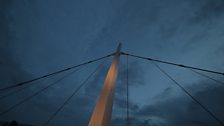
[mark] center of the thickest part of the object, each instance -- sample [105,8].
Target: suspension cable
[43,89]
[70,97]
[57,72]
[20,89]
[191,96]
[14,92]
[206,76]
[170,63]
[127,86]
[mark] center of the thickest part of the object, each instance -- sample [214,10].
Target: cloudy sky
[42,36]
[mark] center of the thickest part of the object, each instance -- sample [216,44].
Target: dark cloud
[164,94]
[181,110]
[208,10]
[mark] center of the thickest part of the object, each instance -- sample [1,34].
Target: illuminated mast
[101,115]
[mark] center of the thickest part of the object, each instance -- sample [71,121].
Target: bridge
[102,112]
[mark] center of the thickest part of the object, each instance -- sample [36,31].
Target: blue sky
[42,36]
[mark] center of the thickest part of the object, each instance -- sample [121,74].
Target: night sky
[43,36]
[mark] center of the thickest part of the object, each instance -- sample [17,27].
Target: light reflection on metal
[101,115]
